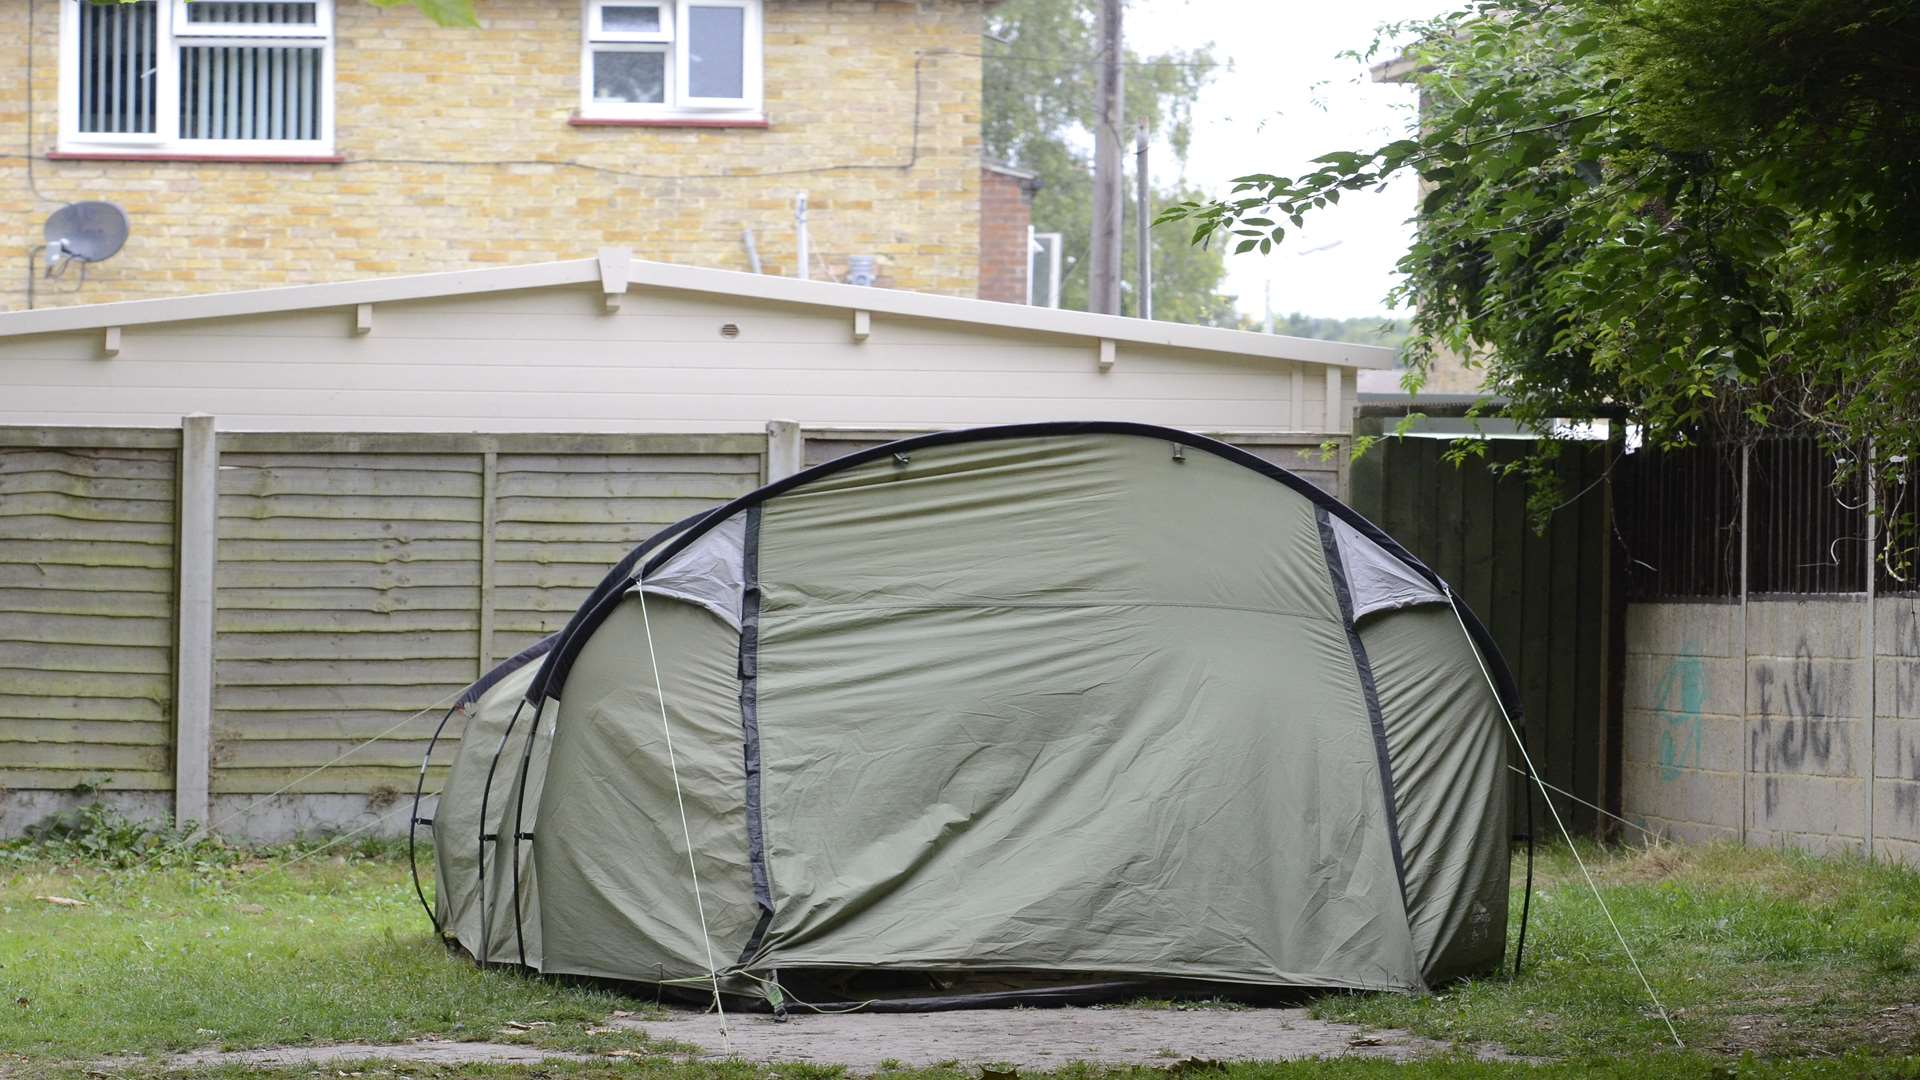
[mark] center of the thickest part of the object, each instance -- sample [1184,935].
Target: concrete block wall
[456,150]
[1683,705]
[1896,708]
[1790,721]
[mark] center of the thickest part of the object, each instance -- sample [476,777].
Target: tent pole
[486,794]
[414,822]
[519,810]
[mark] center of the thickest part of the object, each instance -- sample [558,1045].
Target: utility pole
[1109,179]
[1144,239]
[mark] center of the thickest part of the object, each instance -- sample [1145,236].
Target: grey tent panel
[1377,580]
[708,573]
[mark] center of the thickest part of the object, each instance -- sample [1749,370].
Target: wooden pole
[1144,239]
[193,674]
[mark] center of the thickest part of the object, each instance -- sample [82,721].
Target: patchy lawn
[1774,964]
[1752,950]
[213,947]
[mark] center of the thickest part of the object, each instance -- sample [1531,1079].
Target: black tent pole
[1526,896]
[519,810]
[415,821]
[486,794]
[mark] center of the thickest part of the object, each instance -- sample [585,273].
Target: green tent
[1002,714]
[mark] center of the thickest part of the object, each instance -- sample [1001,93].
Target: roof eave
[875,301]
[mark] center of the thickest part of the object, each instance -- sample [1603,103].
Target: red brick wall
[1006,209]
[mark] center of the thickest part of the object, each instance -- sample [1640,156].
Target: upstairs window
[671,58]
[246,77]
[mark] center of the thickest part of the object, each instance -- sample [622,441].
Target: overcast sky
[1287,99]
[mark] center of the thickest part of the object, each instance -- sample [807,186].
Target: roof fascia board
[733,283]
[299,297]
[961,309]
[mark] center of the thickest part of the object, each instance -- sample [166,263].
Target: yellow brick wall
[458,154]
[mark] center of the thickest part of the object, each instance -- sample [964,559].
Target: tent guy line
[1454,603]
[680,799]
[1595,807]
[189,836]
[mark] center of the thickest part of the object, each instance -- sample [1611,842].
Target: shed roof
[615,271]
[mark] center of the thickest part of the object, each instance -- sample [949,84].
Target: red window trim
[577,120]
[198,159]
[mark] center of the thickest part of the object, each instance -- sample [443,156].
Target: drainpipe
[800,232]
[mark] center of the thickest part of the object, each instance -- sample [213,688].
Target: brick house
[266,142]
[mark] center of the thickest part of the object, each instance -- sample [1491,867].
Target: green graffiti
[1680,738]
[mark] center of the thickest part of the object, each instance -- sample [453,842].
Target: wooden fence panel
[347,601]
[87,542]
[564,520]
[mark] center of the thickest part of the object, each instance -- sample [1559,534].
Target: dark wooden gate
[1545,596]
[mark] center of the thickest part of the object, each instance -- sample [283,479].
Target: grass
[1774,964]
[236,951]
[1752,950]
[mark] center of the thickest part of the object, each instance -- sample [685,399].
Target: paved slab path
[1033,1038]
[1029,1039]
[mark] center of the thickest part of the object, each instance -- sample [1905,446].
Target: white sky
[1287,99]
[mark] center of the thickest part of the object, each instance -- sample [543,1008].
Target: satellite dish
[88,231]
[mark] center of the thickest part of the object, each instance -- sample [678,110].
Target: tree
[1365,330]
[1699,214]
[1038,115]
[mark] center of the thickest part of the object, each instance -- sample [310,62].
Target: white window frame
[171,32]
[1050,244]
[672,39]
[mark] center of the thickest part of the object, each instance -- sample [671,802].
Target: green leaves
[1695,211]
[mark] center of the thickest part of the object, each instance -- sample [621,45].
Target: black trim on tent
[1338,571]
[600,605]
[507,667]
[750,728]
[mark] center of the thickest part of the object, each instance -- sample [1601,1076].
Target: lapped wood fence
[197,617]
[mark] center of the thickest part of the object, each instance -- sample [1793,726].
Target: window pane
[118,55]
[250,92]
[716,52]
[629,76]
[228,12]
[629,19]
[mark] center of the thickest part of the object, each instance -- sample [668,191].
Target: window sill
[576,120]
[197,159]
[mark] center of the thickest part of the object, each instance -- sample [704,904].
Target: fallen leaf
[250,909]
[1366,1040]
[62,901]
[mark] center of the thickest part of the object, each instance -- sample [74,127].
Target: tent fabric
[1379,581]
[1038,704]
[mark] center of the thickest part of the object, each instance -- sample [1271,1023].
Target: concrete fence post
[197,551]
[785,449]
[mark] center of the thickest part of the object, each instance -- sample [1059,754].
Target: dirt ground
[1034,1039]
